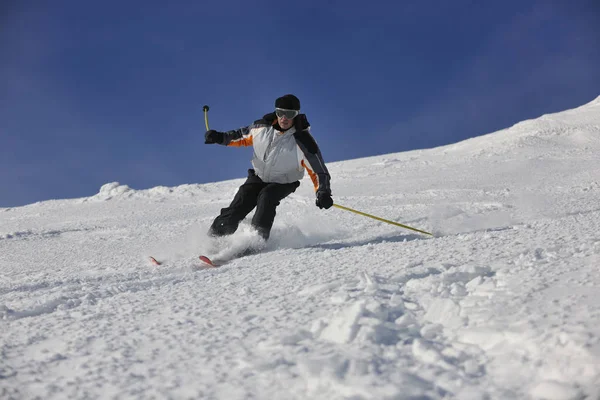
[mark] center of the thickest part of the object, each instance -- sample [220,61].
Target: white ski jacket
[282,157]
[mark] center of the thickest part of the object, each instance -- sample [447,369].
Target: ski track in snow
[501,304]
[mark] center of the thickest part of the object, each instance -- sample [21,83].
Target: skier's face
[284,122]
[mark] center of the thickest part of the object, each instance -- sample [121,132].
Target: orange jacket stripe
[244,141]
[313,176]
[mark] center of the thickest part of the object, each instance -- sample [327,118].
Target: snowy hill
[501,304]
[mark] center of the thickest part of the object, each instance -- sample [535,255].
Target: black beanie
[288,102]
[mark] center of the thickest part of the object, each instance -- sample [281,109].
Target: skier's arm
[243,136]
[238,137]
[313,161]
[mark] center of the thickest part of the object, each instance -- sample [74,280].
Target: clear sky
[97,92]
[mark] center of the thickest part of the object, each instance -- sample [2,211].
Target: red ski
[155,261]
[206,262]
[209,262]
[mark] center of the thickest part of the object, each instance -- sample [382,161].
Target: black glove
[324,200]
[213,136]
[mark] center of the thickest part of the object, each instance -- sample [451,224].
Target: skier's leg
[244,201]
[267,202]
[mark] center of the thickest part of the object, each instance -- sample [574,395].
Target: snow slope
[503,303]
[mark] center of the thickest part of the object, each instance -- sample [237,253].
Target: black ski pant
[253,193]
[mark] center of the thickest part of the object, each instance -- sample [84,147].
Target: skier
[283,148]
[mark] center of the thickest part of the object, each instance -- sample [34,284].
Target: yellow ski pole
[381,219]
[205,108]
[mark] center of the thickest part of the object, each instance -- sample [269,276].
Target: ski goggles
[289,114]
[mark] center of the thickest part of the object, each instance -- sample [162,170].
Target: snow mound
[113,190]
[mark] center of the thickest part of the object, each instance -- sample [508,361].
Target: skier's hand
[213,136]
[324,200]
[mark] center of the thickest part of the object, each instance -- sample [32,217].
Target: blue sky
[97,92]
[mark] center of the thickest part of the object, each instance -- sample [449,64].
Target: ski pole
[205,109]
[381,219]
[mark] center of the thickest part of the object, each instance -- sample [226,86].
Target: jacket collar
[290,131]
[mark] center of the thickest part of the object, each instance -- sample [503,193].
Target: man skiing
[283,148]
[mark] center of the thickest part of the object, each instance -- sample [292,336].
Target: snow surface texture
[503,303]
